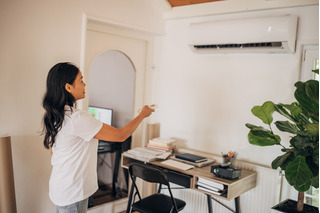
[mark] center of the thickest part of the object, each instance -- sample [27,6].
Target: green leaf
[251,126]
[307,97]
[302,145]
[312,129]
[298,174]
[312,90]
[264,112]
[312,166]
[286,126]
[315,182]
[315,155]
[293,109]
[299,141]
[304,119]
[263,138]
[282,161]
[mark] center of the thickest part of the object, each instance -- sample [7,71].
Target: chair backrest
[148,173]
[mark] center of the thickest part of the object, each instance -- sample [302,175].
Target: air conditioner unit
[252,35]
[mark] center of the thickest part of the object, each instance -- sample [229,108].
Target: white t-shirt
[74,159]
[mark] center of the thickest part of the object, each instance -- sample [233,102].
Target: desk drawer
[178,178]
[173,176]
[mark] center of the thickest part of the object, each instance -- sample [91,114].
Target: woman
[72,135]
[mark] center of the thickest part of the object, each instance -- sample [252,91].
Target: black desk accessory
[226,171]
[191,157]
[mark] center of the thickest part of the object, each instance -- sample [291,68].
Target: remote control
[153,106]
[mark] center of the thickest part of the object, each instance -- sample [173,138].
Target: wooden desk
[188,179]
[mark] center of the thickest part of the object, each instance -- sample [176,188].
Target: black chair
[156,203]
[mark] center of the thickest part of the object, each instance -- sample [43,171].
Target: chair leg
[159,188]
[130,200]
[129,208]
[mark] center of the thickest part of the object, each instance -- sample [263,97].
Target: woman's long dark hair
[56,98]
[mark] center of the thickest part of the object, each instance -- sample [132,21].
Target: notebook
[191,157]
[200,164]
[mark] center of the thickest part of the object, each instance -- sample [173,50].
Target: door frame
[143,96]
[310,52]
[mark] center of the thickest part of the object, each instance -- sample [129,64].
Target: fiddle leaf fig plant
[300,160]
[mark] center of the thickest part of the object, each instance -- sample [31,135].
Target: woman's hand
[146,111]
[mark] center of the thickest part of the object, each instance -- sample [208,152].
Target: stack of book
[145,154]
[161,144]
[211,186]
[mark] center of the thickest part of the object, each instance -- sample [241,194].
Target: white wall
[35,35]
[205,100]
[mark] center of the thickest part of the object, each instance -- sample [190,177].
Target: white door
[101,37]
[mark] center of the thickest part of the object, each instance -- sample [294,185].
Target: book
[191,157]
[200,164]
[212,191]
[208,187]
[162,142]
[142,153]
[144,159]
[159,147]
[147,155]
[210,183]
[154,143]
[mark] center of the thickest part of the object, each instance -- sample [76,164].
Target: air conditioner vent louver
[237,46]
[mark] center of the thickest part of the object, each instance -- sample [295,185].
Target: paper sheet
[177,164]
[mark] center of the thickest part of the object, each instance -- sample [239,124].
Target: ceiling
[176,3]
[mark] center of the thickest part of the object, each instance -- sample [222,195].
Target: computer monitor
[102,114]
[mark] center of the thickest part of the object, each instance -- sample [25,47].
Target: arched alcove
[111,85]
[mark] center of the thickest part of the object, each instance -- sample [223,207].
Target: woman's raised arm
[109,133]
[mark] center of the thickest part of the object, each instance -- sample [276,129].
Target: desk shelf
[235,188]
